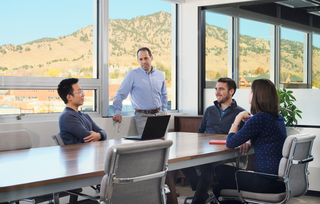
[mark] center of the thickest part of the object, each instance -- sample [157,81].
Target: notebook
[222,142]
[155,128]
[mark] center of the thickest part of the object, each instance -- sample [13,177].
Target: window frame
[276,23]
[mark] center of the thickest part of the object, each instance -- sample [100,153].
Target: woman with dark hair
[265,131]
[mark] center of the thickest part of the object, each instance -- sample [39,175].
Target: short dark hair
[144,48]
[264,97]
[65,88]
[231,83]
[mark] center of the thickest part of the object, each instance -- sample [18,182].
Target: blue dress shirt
[148,91]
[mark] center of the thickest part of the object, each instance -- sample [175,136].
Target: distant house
[7,109]
[292,79]
[245,82]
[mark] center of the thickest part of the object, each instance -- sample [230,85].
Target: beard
[223,99]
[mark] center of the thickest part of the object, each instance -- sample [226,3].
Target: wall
[41,131]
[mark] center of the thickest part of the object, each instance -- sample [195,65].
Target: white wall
[41,131]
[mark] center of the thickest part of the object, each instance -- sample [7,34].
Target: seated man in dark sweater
[217,119]
[76,127]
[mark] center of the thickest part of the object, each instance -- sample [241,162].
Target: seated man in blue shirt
[217,119]
[76,127]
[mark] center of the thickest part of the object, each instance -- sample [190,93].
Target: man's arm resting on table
[93,137]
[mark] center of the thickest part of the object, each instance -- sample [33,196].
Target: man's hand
[164,113]
[117,118]
[94,136]
[244,148]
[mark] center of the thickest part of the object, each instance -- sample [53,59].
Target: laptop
[155,128]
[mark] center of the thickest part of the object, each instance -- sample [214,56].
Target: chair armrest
[140,178]
[260,173]
[310,159]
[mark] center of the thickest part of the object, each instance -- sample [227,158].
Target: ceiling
[310,6]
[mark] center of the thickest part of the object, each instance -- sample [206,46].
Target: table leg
[56,198]
[170,181]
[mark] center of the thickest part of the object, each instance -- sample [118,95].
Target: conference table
[39,171]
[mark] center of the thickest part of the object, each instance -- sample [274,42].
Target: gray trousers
[141,119]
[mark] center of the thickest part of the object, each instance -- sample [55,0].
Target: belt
[148,111]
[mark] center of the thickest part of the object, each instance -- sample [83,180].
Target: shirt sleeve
[122,93]
[250,129]
[202,126]
[164,96]
[96,128]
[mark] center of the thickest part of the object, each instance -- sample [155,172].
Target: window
[38,101]
[316,61]
[254,52]
[291,57]
[216,48]
[44,42]
[47,39]
[51,40]
[135,26]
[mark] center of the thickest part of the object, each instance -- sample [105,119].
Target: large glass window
[47,39]
[254,52]
[135,26]
[216,48]
[41,43]
[316,61]
[291,57]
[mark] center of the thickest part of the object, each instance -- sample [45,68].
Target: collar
[152,70]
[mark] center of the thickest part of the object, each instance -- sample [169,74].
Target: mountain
[72,55]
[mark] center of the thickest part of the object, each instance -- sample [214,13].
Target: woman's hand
[244,148]
[243,116]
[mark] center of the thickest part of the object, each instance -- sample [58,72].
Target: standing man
[217,119]
[147,88]
[76,127]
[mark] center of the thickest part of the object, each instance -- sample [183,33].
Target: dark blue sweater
[212,123]
[267,135]
[74,126]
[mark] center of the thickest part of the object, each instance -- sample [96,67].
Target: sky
[28,20]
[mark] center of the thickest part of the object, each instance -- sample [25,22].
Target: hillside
[72,55]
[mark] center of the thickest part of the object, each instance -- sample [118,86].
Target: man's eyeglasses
[80,92]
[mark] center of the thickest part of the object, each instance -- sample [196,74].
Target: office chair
[293,171]
[20,139]
[135,173]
